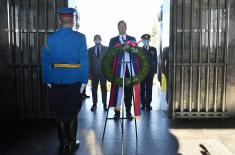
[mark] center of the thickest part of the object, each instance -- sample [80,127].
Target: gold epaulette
[46,42]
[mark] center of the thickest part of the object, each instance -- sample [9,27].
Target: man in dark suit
[128,90]
[96,54]
[147,84]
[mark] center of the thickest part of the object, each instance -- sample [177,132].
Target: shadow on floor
[157,135]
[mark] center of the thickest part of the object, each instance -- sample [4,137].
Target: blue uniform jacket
[65,47]
[152,55]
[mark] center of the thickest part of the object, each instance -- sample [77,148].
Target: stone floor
[157,135]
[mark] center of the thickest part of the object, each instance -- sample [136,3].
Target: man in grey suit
[96,54]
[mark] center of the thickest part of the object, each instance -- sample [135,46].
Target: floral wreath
[112,53]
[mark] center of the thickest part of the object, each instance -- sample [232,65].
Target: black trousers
[146,87]
[128,91]
[128,97]
[66,100]
[94,83]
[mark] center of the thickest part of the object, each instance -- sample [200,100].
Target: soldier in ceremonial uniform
[65,70]
[147,84]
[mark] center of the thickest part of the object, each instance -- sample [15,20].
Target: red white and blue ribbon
[116,95]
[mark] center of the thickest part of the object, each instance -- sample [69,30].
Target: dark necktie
[97,51]
[123,40]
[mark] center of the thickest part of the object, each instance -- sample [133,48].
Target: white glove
[82,88]
[49,85]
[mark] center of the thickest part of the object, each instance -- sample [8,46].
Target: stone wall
[4,56]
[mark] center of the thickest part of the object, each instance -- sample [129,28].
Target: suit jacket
[95,62]
[116,40]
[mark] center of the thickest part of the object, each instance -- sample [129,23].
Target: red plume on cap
[66,12]
[66,15]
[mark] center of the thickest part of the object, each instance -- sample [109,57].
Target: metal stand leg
[133,99]
[122,110]
[105,124]
[136,135]
[122,122]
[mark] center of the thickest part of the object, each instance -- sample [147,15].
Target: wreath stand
[122,102]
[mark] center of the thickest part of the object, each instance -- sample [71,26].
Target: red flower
[128,42]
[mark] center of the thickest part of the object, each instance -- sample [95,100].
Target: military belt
[66,65]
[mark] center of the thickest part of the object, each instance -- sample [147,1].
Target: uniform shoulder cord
[46,42]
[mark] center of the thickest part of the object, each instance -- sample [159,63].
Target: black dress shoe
[63,148]
[85,96]
[143,107]
[116,116]
[105,106]
[74,146]
[82,97]
[94,107]
[149,107]
[129,116]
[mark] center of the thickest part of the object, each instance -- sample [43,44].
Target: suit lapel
[117,40]
[93,51]
[127,37]
[101,50]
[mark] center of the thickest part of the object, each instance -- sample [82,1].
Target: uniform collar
[147,48]
[65,28]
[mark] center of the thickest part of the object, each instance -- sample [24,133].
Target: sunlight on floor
[158,95]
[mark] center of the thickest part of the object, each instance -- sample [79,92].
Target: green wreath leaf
[112,53]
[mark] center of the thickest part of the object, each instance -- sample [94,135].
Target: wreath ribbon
[111,56]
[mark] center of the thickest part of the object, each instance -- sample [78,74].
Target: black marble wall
[22,94]
[201,57]
[231,60]
[5,94]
